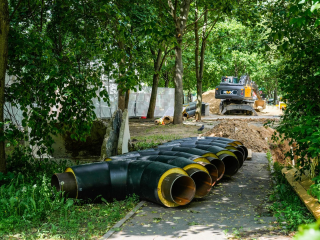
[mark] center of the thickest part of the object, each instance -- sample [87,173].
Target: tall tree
[4,32]
[199,58]
[179,11]
[160,41]
[158,60]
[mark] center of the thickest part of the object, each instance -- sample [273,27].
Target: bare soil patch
[270,110]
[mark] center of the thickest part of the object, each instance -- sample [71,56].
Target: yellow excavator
[237,96]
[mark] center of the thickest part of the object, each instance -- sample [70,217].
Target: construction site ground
[248,129]
[236,208]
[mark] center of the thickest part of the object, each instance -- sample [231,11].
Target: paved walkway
[235,207]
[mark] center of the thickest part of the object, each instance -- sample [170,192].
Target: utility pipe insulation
[150,179]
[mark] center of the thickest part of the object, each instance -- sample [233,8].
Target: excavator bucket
[259,105]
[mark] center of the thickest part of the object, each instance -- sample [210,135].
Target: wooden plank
[311,203]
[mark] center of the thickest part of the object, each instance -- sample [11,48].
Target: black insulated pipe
[65,182]
[211,141]
[219,165]
[231,165]
[197,172]
[194,151]
[212,170]
[154,181]
[226,146]
[222,154]
[176,188]
[238,143]
[220,144]
[219,150]
[190,113]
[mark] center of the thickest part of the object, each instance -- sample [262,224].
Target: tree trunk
[153,98]
[199,69]
[121,100]
[166,79]
[275,96]
[4,31]
[196,56]
[178,90]
[180,24]
[190,97]
[157,65]
[121,92]
[126,102]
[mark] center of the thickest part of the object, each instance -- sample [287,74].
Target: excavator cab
[229,79]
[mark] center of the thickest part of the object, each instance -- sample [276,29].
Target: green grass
[153,141]
[287,206]
[31,209]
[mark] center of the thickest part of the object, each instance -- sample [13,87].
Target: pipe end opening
[179,189]
[203,183]
[65,182]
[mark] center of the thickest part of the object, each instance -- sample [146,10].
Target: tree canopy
[59,50]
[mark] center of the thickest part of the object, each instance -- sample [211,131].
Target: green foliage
[21,161]
[22,201]
[31,208]
[314,189]
[308,231]
[56,67]
[234,48]
[293,30]
[287,207]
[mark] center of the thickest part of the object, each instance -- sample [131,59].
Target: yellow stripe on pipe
[231,148]
[227,152]
[202,159]
[210,155]
[197,166]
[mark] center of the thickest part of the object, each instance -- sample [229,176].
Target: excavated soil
[253,135]
[209,97]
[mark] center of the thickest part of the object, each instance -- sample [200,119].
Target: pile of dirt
[209,97]
[253,136]
[279,152]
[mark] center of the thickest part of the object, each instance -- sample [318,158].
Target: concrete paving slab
[236,206]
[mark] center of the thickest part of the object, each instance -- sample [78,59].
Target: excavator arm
[258,104]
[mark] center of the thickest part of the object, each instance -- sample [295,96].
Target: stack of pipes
[189,109]
[171,175]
